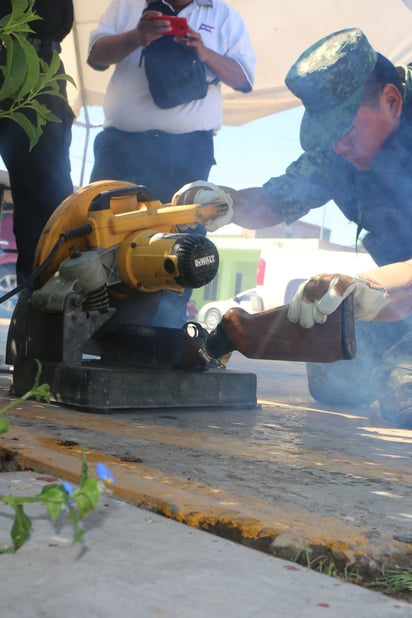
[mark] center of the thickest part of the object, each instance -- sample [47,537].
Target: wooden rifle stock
[270,335]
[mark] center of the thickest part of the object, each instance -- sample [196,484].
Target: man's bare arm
[113,48]
[226,69]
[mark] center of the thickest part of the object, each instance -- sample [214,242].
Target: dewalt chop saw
[101,262]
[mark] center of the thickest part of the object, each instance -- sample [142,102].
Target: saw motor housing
[103,257]
[135,237]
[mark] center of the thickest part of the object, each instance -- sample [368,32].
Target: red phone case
[179,25]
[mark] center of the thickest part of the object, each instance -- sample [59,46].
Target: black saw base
[97,388]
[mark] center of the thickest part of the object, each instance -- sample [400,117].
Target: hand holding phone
[179,24]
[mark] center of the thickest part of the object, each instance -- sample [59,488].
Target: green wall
[238,259]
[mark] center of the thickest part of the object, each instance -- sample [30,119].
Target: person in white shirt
[164,149]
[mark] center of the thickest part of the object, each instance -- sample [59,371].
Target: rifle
[270,335]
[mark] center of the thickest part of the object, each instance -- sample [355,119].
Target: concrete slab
[287,477]
[133,563]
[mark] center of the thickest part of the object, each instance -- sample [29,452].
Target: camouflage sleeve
[307,183]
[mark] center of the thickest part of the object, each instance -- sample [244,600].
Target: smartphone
[179,24]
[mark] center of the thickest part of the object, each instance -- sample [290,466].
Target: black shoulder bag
[175,74]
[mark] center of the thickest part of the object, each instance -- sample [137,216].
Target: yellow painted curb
[236,516]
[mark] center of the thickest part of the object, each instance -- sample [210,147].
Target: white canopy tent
[279,30]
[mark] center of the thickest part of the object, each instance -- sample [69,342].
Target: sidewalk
[133,563]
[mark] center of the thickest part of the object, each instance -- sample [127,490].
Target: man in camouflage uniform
[356,134]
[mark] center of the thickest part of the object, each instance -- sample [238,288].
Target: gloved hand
[320,296]
[204,192]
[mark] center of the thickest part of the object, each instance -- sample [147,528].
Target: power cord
[77,232]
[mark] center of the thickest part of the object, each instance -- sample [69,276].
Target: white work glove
[320,296]
[203,192]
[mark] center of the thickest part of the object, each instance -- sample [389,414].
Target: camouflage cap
[329,78]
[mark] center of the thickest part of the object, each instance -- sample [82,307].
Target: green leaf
[42,111]
[54,498]
[20,18]
[21,527]
[54,510]
[73,515]
[78,530]
[78,535]
[32,72]
[20,6]
[53,491]
[67,78]
[87,497]
[14,72]
[25,76]
[31,130]
[51,69]
[4,424]
[85,469]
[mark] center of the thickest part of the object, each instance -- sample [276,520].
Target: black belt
[44,46]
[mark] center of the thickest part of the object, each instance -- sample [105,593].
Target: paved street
[288,477]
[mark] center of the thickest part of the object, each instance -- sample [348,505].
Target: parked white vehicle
[281,270]
[211,313]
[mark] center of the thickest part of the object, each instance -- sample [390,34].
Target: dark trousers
[163,162]
[39,180]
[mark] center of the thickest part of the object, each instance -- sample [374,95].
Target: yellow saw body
[101,264]
[129,221]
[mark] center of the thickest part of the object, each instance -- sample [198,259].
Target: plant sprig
[24,76]
[57,497]
[38,392]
